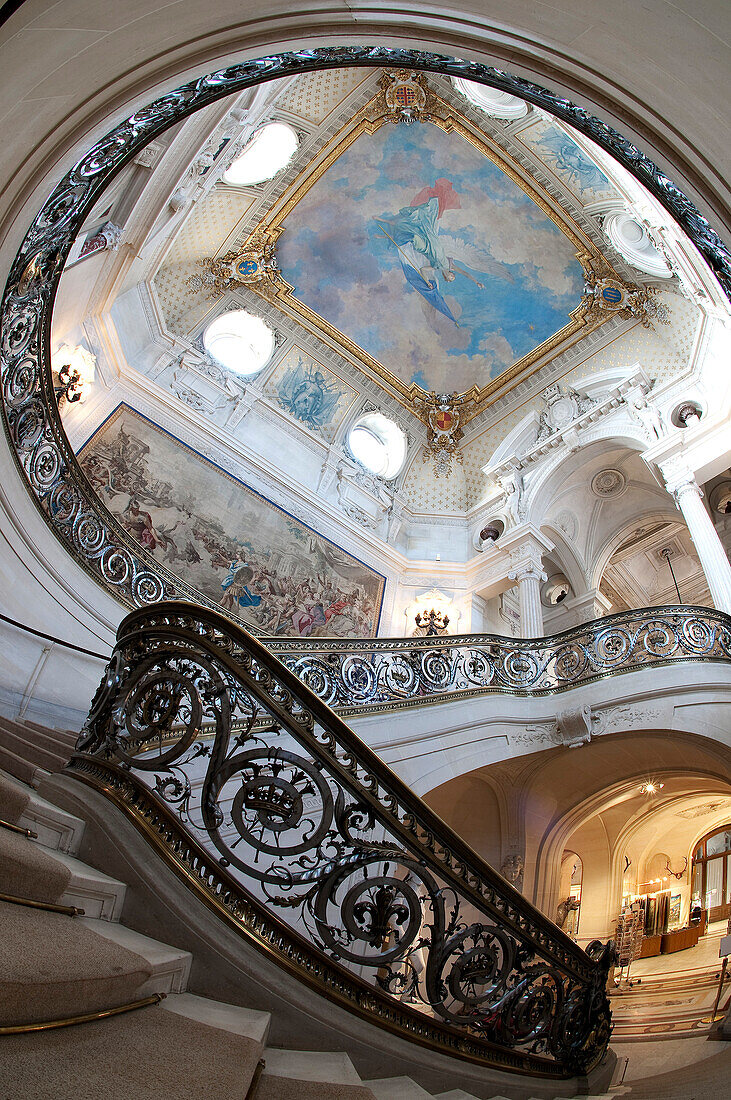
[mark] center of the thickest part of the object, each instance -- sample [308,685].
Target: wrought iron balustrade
[296,832]
[388,673]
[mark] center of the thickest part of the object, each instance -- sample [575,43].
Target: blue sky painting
[430,258]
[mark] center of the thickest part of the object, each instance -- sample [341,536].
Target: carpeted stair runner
[26,871]
[149,1054]
[13,800]
[55,967]
[42,750]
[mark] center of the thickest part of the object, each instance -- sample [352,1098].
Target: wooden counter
[680,940]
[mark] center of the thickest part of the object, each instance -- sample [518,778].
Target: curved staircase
[68,956]
[61,965]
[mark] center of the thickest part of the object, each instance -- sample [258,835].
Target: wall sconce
[432,613]
[436,622]
[74,369]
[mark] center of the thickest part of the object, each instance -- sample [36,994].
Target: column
[688,497]
[529,576]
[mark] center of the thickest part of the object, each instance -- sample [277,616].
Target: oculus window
[269,151]
[378,444]
[240,342]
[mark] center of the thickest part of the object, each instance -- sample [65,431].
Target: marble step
[397,1088]
[57,830]
[170,966]
[97,894]
[335,1068]
[225,1017]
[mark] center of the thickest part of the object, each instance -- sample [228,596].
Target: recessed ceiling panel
[430,258]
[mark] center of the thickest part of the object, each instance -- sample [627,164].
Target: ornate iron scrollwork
[316,830]
[31,415]
[389,673]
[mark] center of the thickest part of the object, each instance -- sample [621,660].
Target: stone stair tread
[57,829]
[62,735]
[334,1067]
[170,966]
[21,805]
[99,895]
[28,750]
[143,1055]
[19,767]
[459,1094]
[397,1088]
[225,1017]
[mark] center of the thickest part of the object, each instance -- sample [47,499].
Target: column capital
[678,477]
[527,570]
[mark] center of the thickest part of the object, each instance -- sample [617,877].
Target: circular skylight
[270,150]
[378,444]
[492,101]
[239,341]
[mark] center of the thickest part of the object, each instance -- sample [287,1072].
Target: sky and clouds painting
[425,254]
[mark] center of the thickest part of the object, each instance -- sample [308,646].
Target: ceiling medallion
[255,264]
[406,95]
[608,483]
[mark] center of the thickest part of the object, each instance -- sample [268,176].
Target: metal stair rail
[268,805]
[390,673]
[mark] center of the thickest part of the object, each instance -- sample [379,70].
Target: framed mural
[225,540]
[424,253]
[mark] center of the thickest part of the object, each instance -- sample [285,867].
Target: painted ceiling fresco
[421,251]
[226,541]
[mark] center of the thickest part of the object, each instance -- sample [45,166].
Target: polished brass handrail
[85,1018]
[18,829]
[303,832]
[49,906]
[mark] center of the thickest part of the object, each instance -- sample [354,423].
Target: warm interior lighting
[270,150]
[75,367]
[652,786]
[240,342]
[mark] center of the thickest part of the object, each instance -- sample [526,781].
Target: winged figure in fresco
[425,253]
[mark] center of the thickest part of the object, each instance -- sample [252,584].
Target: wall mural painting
[421,251]
[310,393]
[567,161]
[226,541]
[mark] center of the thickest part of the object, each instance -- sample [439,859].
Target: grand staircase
[137,965]
[67,956]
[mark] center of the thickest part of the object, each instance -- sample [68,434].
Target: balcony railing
[389,673]
[270,807]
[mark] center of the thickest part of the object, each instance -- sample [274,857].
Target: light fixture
[74,369]
[239,341]
[651,786]
[270,150]
[432,612]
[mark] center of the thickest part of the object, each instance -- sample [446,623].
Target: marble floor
[671,996]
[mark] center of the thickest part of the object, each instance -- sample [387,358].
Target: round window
[269,151]
[240,342]
[378,444]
